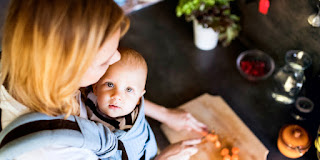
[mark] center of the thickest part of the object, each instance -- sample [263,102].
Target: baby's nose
[116,96]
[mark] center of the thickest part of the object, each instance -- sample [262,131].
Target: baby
[117,102]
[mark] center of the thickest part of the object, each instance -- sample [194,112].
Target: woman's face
[107,55]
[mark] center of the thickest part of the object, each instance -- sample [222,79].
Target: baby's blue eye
[109,84]
[129,89]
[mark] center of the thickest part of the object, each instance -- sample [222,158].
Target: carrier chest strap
[41,125]
[36,126]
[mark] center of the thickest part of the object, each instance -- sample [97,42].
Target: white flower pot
[204,38]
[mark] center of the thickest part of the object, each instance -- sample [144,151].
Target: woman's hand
[182,119]
[179,151]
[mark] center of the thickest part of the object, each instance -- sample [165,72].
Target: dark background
[284,28]
[179,72]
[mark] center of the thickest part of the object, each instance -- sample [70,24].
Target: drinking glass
[289,79]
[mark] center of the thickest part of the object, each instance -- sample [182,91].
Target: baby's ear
[143,92]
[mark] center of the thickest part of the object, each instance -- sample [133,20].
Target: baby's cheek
[131,108]
[101,102]
[105,111]
[103,96]
[104,108]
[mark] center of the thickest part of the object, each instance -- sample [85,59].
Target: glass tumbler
[289,79]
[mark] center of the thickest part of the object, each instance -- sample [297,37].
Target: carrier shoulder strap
[0,120]
[36,130]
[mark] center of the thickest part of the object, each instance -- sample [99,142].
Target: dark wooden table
[179,72]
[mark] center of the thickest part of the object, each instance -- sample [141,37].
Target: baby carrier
[35,130]
[139,140]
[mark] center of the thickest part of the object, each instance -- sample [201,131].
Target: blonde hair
[132,58]
[49,44]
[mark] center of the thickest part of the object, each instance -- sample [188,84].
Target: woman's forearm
[183,120]
[155,111]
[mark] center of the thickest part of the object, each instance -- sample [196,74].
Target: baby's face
[120,89]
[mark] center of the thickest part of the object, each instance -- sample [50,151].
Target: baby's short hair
[132,58]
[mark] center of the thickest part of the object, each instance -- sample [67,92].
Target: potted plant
[213,17]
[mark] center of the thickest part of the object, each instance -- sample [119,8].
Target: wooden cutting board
[217,115]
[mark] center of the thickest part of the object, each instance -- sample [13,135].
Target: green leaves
[185,7]
[231,33]
[212,13]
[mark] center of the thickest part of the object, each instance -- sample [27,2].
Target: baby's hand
[179,119]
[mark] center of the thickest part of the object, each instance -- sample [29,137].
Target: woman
[52,48]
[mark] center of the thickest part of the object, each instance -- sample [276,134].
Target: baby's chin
[115,115]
